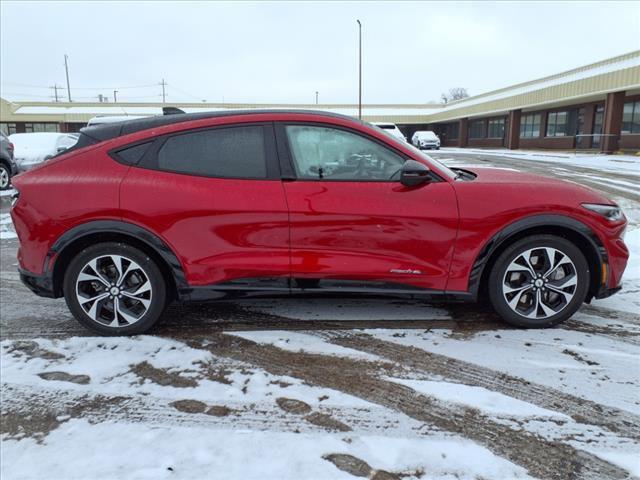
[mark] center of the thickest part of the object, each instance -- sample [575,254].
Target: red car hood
[507,176]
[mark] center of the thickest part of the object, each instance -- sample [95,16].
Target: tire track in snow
[542,458]
[580,409]
[45,409]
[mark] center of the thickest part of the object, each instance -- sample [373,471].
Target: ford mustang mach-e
[193,207]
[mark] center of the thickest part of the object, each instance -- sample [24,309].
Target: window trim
[500,120]
[149,160]
[566,124]
[635,112]
[532,115]
[286,156]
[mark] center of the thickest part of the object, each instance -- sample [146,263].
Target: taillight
[10,147]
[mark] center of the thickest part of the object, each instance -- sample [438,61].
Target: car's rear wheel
[115,289]
[5,177]
[539,281]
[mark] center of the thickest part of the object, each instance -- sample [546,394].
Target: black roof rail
[107,131]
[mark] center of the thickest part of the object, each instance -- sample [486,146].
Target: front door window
[322,153]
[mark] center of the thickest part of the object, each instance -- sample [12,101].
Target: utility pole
[164,84]
[55,92]
[316,98]
[359,69]
[115,96]
[66,69]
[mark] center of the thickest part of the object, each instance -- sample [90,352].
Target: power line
[185,93]
[14,84]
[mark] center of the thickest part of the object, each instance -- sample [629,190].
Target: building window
[476,129]
[557,124]
[530,126]
[597,126]
[41,127]
[449,131]
[8,128]
[496,128]
[631,117]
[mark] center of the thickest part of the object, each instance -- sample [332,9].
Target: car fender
[125,228]
[508,232]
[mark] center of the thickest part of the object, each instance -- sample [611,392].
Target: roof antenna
[171,111]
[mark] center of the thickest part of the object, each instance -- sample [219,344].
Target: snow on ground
[582,364]
[628,164]
[118,366]
[6,227]
[197,453]
[478,397]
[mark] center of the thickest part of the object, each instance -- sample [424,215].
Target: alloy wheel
[540,282]
[113,290]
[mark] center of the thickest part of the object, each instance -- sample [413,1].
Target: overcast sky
[286,51]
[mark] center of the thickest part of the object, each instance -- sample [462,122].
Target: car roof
[108,131]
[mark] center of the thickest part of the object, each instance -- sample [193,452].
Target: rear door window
[232,152]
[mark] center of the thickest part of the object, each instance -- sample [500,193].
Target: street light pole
[316,98]
[359,69]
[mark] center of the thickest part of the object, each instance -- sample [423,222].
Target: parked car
[8,167]
[205,206]
[391,129]
[425,140]
[32,149]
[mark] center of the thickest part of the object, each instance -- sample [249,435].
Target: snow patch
[478,397]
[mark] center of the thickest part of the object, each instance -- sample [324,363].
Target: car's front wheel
[115,289]
[5,177]
[539,281]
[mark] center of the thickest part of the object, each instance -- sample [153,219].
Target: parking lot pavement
[326,387]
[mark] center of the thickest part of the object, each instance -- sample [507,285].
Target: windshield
[419,153]
[426,135]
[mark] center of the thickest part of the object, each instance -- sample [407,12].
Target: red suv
[194,207]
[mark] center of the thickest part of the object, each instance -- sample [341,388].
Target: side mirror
[414,173]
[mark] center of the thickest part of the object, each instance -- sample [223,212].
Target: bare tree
[455,93]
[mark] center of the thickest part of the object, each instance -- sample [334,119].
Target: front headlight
[610,212]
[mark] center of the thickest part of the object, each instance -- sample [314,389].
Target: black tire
[156,298]
[565,308]
[5,172]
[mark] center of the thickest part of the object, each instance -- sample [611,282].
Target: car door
[215,196]
[353,224]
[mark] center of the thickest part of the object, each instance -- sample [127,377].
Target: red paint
[223,229]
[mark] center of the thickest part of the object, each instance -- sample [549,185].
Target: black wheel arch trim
[527,223]
[137,232]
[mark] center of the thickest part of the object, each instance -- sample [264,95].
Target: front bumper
[41,285]
[429,146]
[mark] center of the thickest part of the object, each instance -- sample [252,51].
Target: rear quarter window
[132,155]
[232,152]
